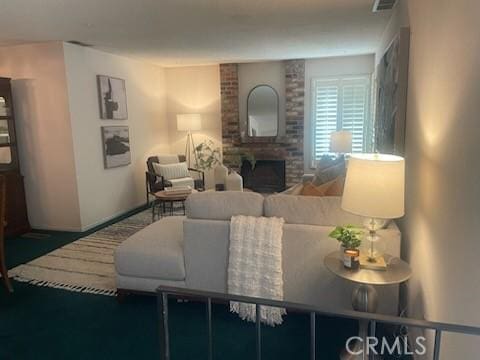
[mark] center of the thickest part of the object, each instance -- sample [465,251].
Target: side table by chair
[162,198]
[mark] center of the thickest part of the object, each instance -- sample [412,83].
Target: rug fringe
[111,236]
[68,287]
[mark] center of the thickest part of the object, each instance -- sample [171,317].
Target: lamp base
[373,248]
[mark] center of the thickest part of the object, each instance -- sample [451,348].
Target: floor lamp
[189,123]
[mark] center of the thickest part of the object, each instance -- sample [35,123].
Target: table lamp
[189,123]
[374,189]
[341,142]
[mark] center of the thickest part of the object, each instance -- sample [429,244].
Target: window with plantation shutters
[341,104]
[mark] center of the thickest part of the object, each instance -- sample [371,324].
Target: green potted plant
[208,155]
[350,238]
[236,157]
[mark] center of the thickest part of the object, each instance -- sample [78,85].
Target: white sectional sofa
[192,251]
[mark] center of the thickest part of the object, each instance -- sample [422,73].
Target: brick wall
[290,147]
[230,110]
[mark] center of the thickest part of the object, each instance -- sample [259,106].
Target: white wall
[194,90]
[44,133]
[262,73]
[106,193]
[59,128]
[440,229]
[325,67]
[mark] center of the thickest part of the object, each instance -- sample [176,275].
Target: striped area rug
[85,265]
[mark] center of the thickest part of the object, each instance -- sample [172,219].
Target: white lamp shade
[189,122]
[375,186]
[341,142]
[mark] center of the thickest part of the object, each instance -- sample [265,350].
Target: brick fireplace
[290,148]
[268,176]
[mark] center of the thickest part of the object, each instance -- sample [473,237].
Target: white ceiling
[191,32]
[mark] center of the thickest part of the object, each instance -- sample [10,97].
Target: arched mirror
[262,112]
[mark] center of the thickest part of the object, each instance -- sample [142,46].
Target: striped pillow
[172,171]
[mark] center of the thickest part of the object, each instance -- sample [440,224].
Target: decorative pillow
[336,187]
[331,188]
[311,190]
[294,190]
[326,174]
[172,171]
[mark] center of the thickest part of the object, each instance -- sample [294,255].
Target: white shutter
[354,111]
[325,115]
[341,103]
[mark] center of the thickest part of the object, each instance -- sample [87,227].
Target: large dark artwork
[116,146]
[392,77]
[112,97]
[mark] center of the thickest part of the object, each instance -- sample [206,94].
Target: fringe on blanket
[268,315]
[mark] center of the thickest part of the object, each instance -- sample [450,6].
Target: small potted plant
[208,155]
[350,238]
[236,157]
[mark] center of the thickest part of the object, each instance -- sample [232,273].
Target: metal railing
[164,292]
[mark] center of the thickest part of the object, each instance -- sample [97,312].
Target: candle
[351,259]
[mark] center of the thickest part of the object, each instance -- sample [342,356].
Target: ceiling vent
[79,43]
[382,5]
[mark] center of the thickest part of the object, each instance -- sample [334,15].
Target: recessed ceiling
[193,32]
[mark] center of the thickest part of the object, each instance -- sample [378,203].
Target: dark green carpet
[46,323]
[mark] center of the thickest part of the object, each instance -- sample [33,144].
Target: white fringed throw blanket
[255,265]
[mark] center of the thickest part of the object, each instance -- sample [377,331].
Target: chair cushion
[172,171]
[154,252]
[168,159]
[222,205]
[185,181]
[310,210]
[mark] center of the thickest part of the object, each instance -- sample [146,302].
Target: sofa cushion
[310,210]
[154,252]
[222,205]
[185,181]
